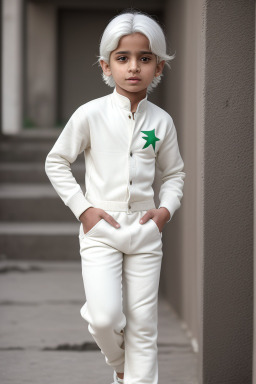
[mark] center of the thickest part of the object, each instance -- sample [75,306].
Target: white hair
[126,24]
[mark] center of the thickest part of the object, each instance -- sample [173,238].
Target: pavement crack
[73,347]
[21,269]
[35,303]
[12,349]
[87,346]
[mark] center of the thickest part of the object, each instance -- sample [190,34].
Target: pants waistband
[122,205]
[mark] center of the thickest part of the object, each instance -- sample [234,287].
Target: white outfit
[121,269]
[120,266]
[120,155]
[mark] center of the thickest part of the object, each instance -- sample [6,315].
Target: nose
[134,66]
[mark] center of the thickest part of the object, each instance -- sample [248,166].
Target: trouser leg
[140,301]
[121,270]
[102,275]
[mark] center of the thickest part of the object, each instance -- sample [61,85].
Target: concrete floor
[43,338]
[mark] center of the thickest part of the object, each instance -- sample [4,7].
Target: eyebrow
[127,52]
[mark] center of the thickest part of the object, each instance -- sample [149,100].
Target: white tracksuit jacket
[120,153]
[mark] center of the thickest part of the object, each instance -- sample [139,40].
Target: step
[33,202]
[34,172]
[28,146]
[27,152]
[30,135]
[39,241]
[12,152]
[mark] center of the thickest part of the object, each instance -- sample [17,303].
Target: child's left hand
[160,217]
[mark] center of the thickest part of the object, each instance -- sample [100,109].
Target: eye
[145,59]
[121,58]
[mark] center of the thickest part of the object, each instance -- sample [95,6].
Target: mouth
[133,79]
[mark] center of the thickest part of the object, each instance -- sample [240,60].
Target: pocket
[88,233]
[156,227]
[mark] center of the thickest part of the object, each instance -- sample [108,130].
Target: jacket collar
[124,102]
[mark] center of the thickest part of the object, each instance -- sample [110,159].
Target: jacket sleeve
[73,139]
[171,165]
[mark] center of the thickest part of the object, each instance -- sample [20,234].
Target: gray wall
[208,274]
[228,214]
[41,64]
[254,304]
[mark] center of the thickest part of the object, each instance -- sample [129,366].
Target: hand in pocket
[91,216]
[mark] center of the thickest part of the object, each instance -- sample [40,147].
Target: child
[122,135]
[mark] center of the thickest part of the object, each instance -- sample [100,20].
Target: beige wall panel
[12,66]
[182,100]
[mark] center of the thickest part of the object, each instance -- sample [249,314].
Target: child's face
[132,65]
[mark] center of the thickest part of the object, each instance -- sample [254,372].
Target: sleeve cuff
[78,204]
[172,206]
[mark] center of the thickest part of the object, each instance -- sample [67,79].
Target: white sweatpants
[121,270]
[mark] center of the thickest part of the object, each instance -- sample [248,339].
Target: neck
[134,97]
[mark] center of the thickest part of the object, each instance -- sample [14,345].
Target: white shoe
[117,379]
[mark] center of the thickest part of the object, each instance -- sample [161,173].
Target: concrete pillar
[254,307]
[12,66]
[41,64]
[227,301]
[210,94]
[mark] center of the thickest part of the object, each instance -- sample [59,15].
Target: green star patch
[150,138]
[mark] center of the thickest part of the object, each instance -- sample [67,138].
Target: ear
[105,68]
[159,68]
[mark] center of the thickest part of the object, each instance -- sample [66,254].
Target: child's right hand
[92,215]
